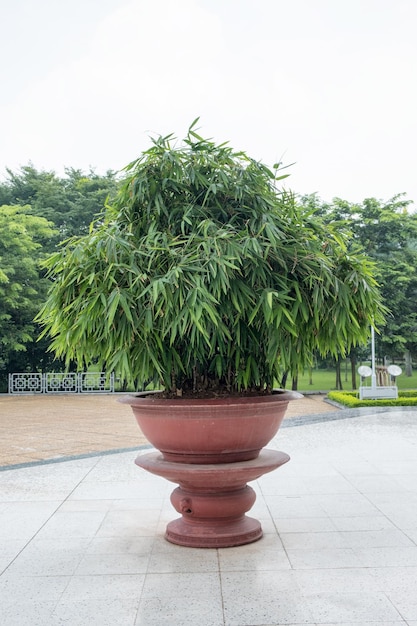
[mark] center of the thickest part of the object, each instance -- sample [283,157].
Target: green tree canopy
[387,231]
[71,202]
[22,285]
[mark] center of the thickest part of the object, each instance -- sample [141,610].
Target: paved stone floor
[82,541]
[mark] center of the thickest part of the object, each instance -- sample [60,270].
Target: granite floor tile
[103,586]
[28,613]
[351,607]
[257,598]
[102,612]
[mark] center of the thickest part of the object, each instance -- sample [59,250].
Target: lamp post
[373,376]
[374,392]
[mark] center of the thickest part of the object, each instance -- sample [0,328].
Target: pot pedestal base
[213,499]
[213,533]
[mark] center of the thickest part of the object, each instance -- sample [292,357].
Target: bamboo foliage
[204,275]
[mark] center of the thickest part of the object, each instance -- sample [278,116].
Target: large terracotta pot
[215,430]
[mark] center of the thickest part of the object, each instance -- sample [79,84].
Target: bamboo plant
[205,276]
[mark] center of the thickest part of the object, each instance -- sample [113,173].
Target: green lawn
[325,380]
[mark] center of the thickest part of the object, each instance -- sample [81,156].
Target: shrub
[203,276]
[351,400]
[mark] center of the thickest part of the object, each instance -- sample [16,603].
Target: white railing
[58,382]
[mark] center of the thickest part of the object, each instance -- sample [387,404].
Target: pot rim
[151,397]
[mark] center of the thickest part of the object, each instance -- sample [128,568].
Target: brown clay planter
[211,448]
[215,430]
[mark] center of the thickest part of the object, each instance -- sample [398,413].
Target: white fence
[58,382]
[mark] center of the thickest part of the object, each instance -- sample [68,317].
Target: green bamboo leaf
[126,309]
[112,306]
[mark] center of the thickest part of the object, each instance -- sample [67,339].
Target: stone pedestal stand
[213,499]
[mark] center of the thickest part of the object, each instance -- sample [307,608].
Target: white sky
[329,85]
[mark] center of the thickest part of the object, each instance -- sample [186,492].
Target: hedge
[351,400]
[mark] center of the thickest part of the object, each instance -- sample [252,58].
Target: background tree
[23,238]
[71,202]
[387,231]
[39,210]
